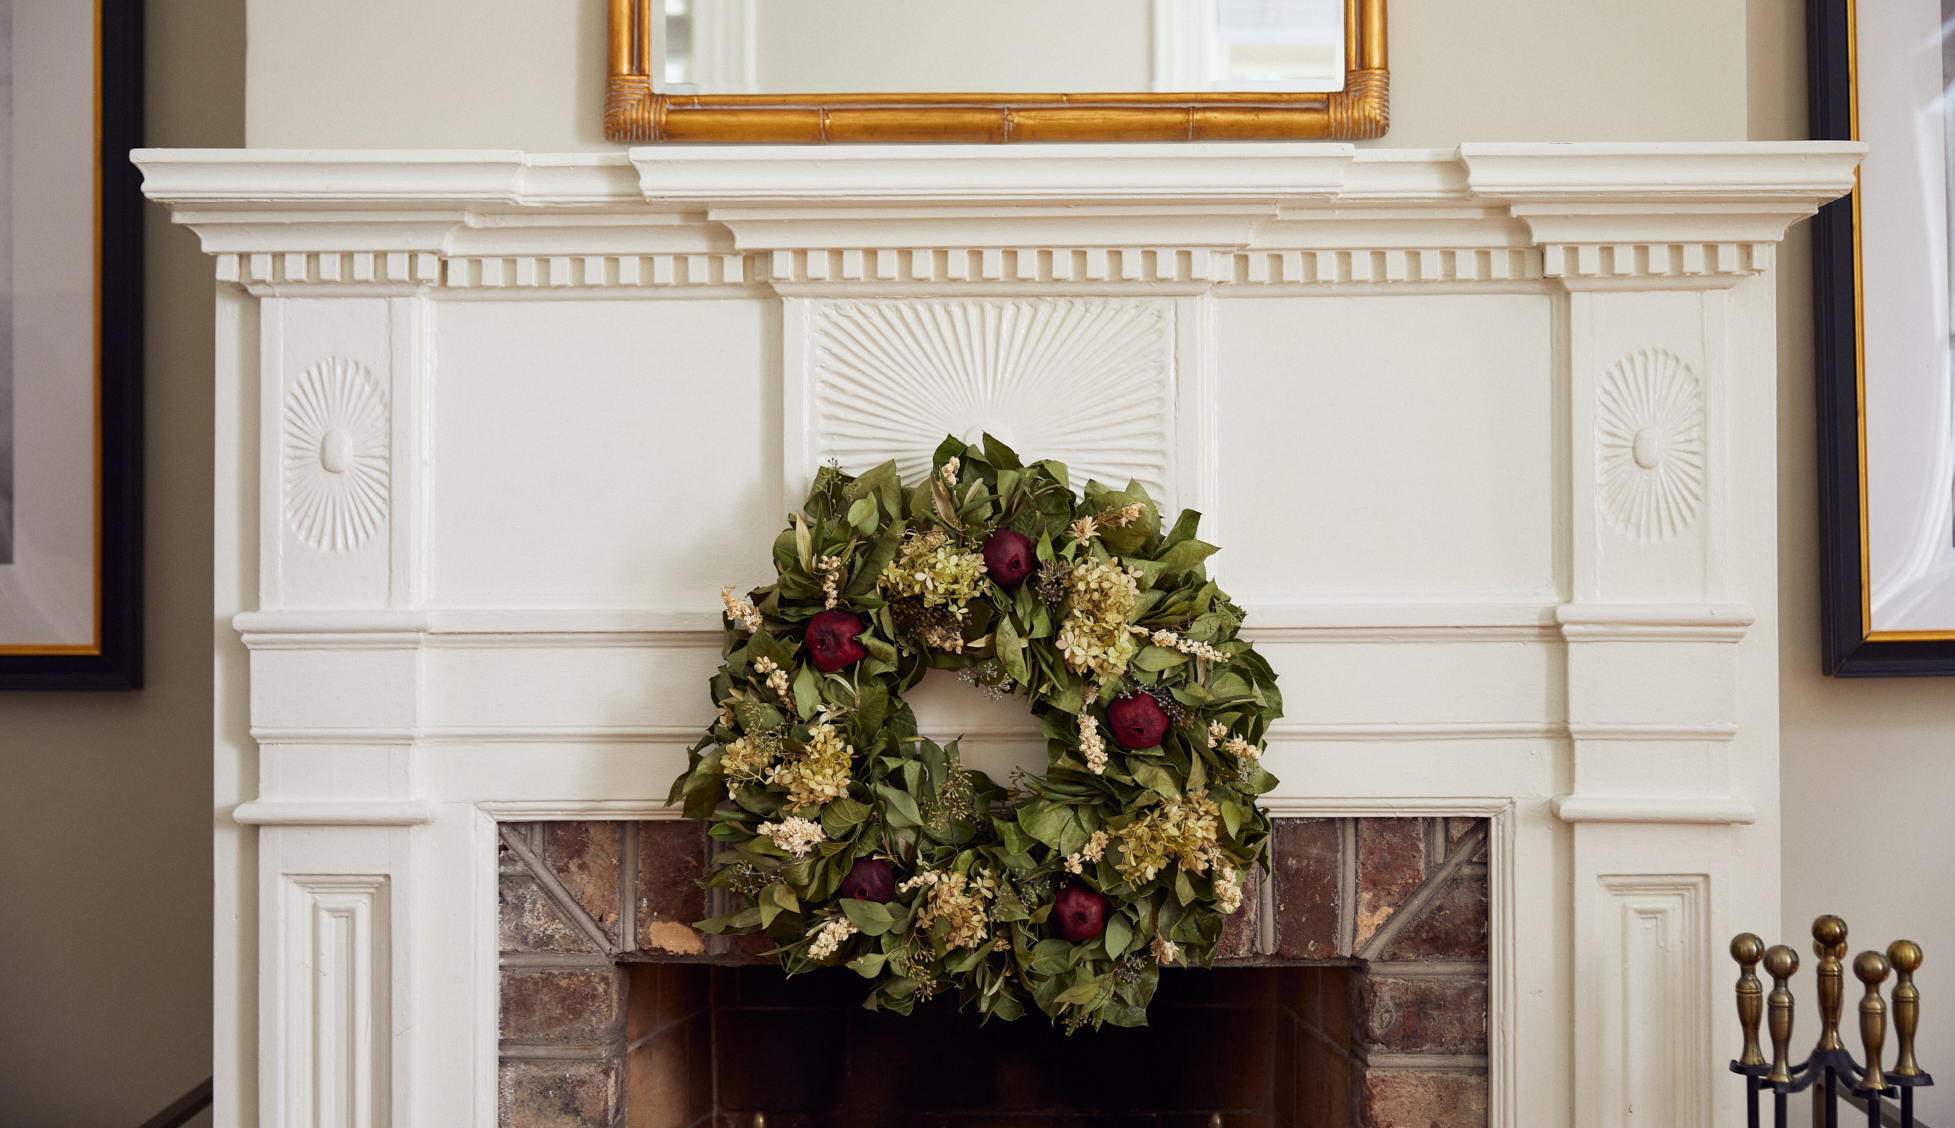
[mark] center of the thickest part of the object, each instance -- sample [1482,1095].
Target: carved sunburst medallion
[1650,449]
[336,437]
[1086,380]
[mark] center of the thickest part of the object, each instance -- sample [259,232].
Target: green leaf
[804,545]
[784,897]
[1153,658]
[862,515]
[741,921]
[1156,778]
[1044,822]
[807,692]
[999,455]
[1011,651]
[1119,932]
[872,918]
[1186,555]
[900,806]
[867,966]
[1084,993]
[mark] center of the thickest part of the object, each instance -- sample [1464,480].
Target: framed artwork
[1006,70]
[70,345]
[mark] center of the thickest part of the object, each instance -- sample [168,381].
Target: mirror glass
[997,46]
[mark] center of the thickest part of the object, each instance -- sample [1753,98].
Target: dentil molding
[1220,218]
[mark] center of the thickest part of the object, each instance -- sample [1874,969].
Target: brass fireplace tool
[1830,1061]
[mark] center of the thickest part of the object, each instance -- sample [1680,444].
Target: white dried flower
[1228,890]
[832,574]
[1242,749]
[1095,847]
[949,470]
[829,937]
[794,835]
[744,614]
[1166,951]
[1091,745]
[1072,864]
[1216,731]
[776,677]
[1084,529]
[1171,641]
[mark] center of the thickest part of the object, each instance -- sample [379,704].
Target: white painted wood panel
[1485,437]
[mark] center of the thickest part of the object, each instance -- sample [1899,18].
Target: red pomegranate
[1078,913]
[1009,557]
[870,880]
[1137,721]
[831,640]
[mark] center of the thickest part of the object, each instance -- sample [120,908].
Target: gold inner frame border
[633,111]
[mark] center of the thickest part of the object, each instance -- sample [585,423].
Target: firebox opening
[1268,1047]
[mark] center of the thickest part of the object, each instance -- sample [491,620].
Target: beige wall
[105,814]
[1867,766]
[528,74]
[106,949]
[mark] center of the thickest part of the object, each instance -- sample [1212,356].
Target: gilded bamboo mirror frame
[634,111]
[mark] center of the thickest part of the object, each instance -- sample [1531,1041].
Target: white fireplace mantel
[1486,434]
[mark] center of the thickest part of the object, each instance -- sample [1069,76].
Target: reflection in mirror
[997,46]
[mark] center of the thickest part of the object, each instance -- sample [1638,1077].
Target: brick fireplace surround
[1369,950]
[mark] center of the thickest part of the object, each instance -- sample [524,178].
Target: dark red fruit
[831,640]
[870,880]
[1079,913]
[1009,557]
[1137,721]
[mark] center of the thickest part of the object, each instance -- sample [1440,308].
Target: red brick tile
[588,858]
[671,860]
[1391,864]
[1454,927]
[1424,1014]
[580,1007]
[560,1094]
[1423,1100]
[527,920]
[1239,928]
[1305,856]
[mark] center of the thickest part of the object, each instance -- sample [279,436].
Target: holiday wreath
[849,839]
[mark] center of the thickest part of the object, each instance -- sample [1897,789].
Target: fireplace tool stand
[1831,1066]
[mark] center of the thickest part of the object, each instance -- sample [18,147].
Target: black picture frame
[118,661]
[1847,651]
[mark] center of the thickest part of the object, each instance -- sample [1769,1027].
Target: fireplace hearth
[1352,991]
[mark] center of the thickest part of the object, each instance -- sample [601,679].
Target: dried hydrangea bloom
[1180,831]
[819,774]
[747,759]
[1094,636]
[958,899]
[927,567]
[1228,889]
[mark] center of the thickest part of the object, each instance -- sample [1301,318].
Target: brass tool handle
[1905,956]
[1871,968]
[1748,949]
[1829,944]
[1780,963]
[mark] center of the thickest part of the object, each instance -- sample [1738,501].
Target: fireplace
[1486,435]
[1350,990]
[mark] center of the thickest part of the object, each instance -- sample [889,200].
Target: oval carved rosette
[336,455]
[1649,445]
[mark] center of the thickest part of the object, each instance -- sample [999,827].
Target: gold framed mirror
[807,71]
